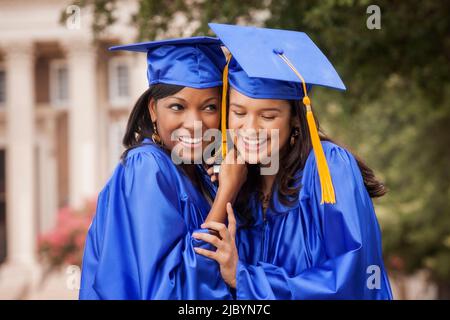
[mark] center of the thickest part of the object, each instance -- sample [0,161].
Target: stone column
[20,164]
[138,74]
[48,182]
[21,270]
[83,150]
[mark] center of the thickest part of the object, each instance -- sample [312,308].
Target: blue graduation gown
[139,245]
[313,250]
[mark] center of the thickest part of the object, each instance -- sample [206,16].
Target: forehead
[192,94]
[240,100]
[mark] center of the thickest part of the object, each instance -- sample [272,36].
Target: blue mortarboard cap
[279,64]
[195,62]
[260,88]
[256,51]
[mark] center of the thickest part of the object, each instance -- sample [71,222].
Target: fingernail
[203,225]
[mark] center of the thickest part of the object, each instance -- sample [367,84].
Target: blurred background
[64,102]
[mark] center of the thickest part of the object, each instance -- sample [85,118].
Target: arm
[147,251]
[233,173]
[350,236]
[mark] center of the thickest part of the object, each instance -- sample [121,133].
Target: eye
[268,117]
[238,113]
[210,107]
[176,107]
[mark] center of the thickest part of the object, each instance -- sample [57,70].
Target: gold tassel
[223,124]
[326,183]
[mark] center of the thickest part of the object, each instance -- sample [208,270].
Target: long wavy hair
[292,159]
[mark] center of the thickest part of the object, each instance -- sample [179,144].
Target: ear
[152,109]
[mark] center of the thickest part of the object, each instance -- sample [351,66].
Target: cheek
[284,133]
[211,120]
[234,122]
[167,124]
[283,129]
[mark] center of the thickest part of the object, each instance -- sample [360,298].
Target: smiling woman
[308,231]
[169,115]
[185,113]
[139,245]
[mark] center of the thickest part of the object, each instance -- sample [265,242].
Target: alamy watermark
[253,146]
[73,19]
[374,19]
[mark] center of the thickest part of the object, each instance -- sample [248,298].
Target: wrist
[228,192]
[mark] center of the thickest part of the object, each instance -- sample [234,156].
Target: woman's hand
[233,171]
[226,254]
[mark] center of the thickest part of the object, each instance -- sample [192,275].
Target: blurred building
[64,102]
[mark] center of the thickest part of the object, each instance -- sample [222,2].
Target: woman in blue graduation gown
[139,245]
[296,234]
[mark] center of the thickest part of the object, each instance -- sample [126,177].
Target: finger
[213,178]
[235,153]
[212,239]
[220,227]
[207,253]
[231,221]
[210,171]
[231,157]
[210,161]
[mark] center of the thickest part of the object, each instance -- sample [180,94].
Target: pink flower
[65,243]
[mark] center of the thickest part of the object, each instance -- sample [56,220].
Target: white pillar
[48,189]
[20,164]
[21,270]
[83,159]
[139,82]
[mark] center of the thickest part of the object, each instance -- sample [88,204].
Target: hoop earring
[155,136]
[294,134]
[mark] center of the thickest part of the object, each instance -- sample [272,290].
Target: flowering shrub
[64,244]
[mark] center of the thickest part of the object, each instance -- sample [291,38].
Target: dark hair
[139,124]
[292,159]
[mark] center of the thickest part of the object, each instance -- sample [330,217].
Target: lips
[252,144]
[190,142]
[253,141]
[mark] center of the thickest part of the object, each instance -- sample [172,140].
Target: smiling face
[256,122]
[178,118]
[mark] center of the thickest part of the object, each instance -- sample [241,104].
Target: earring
[155,136]
[294,134]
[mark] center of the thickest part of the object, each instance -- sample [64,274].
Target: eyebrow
[178,98]
[261,109]
[184,100]
[210,98]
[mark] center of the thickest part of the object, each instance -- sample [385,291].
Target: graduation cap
[278,64]
[195,62]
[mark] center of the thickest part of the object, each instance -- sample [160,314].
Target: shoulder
[147,164]
[147,151]
[150,155]
[343,167]
[338,158]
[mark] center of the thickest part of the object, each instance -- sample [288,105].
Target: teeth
[190,140]
[253,141]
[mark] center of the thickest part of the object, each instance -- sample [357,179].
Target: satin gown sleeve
[348,231]
[139,245]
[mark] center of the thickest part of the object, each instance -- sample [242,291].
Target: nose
[250,122]
[192,121]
